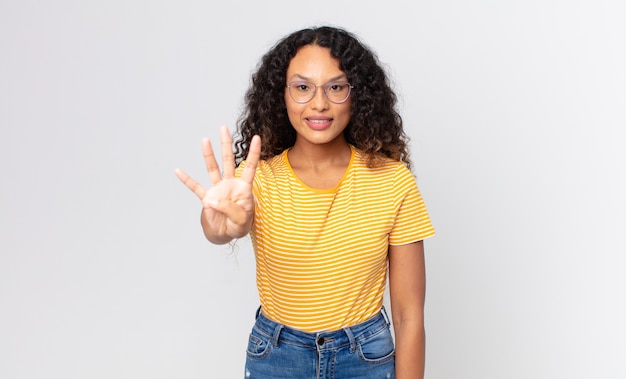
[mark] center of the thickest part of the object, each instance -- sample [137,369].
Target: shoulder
[382,166]
[268,170]
[266,164]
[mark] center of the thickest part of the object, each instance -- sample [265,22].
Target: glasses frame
[324,87]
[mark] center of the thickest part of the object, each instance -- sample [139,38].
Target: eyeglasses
[303,92]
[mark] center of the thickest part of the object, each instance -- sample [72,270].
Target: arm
[407,288]
[228,206]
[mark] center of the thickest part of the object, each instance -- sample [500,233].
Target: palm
[237,191]
[228,206]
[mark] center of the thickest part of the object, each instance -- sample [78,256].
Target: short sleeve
[412,222]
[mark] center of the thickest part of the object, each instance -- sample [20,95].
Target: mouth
[318,123]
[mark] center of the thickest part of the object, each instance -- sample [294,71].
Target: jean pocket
[377,348]
[258,345]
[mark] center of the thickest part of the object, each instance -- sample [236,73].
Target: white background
[516,111]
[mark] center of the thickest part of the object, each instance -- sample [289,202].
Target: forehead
[314,62]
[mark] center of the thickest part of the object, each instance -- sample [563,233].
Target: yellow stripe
[322,255]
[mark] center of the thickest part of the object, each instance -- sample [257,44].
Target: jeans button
[320,341]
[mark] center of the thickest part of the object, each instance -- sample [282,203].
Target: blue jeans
[363,351]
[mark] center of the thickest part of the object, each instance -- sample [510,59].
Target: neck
[320,156]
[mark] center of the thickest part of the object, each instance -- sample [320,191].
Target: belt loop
[351,338]
[277,330]
[385,315]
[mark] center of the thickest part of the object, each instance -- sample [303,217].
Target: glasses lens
[337,92]
[301,92]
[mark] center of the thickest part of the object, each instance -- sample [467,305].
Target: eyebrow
[298,76]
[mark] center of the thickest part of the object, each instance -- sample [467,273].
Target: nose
[319,101]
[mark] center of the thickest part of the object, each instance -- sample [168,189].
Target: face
[319,121]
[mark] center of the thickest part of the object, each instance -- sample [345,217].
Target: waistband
[279,333]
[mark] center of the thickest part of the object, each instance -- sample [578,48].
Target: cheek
[286,97]
[294,110]
[346,111]
[289,104]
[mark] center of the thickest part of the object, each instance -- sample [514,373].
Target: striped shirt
[321,255]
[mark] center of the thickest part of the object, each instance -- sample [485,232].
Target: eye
[301,87]
[336,87]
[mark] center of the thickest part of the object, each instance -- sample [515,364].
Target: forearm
[407,288]
[410,349]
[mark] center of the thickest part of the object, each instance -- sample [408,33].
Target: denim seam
[365,336]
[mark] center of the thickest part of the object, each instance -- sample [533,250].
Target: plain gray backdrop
[516,113]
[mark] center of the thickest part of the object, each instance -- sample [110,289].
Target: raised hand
[228,206]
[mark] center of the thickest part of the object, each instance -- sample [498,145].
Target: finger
[231,210]
[209,161]
[194,186]
[252,160]
[228,159]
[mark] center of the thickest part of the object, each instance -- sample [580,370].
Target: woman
[320,179]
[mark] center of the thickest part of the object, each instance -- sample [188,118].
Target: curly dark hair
[375,126]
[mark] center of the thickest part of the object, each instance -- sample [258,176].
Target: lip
[318,123]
